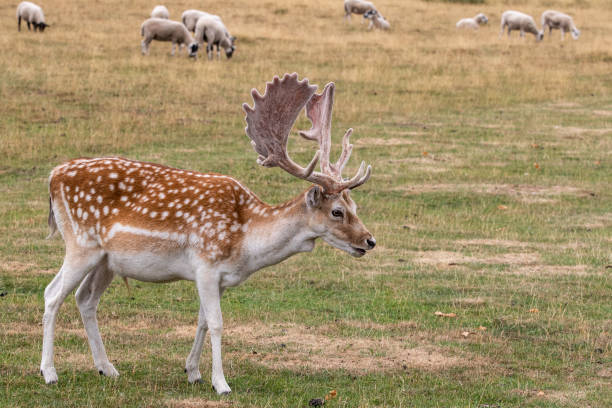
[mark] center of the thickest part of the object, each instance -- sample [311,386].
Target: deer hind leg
[210,298]
[87,299]
[76,266]
[193,360]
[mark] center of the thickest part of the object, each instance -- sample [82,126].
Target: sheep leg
[371,24]
[145,46]
[87,299]
[562,34]
[522,33]
[218,53]
[209,51]
[19,23]
[173,46]
[28,25]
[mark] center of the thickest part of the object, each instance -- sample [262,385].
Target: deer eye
[337,213]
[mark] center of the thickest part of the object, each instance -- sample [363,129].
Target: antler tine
[271,118]
[347,149]
[363,179]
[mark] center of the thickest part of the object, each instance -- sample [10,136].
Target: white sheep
[191,17]
[555,19]
[516,20]
[376,20]
[357,7]
[212,30]
[160,12]
[32,14]
[474,23]
[161,29]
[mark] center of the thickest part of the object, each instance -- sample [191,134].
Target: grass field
[490,199]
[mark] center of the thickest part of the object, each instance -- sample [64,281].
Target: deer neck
[277,232]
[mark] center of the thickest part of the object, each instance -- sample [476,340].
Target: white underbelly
[151,267]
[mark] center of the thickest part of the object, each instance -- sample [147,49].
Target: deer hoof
[50,375]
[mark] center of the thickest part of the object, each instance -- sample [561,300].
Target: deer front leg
[193,360]
[210,299]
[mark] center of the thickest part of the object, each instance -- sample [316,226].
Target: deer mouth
[358,252]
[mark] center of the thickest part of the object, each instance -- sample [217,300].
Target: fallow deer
[154,223]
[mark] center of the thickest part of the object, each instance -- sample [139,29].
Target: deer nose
[371,242]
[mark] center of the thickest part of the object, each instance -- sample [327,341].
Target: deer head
[331,212]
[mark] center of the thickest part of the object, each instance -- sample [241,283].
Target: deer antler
[271,118]
[319,111]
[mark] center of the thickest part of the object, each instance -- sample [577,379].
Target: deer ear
[314,197]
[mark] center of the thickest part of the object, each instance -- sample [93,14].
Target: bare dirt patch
[524,192]
[378,141]
[603,112]
[601,221]
[577,131]
[25,268]
[196,403]
[502,243]
[73,360]
[430,163]
[477,301]
[305,348]
[553,270]
[457,258]
[493,164]
[563,397]
[21,329]
[369,325]
[296,347]
[565,105]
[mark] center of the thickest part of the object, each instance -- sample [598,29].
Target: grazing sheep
[160,12]
[376,20]
[357,7]
[212,30]
[555,19]
[191,17]
[516,20]
[473,23]
[32,14]
[167,30]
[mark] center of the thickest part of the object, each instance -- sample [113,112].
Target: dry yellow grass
[88,66]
